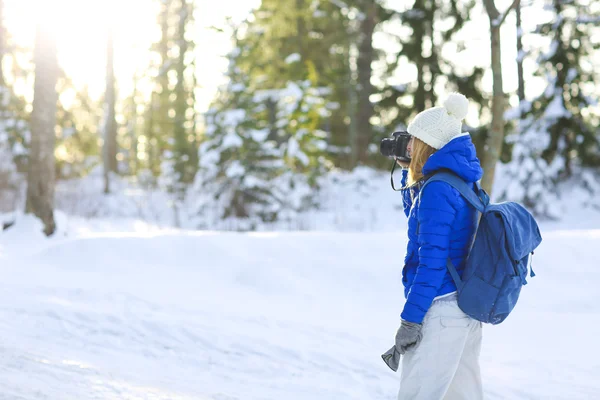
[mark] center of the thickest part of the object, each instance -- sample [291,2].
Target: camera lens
[388,147]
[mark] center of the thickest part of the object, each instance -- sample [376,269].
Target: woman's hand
[403,164]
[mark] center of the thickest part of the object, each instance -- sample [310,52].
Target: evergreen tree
[261,146]
[170,131]
[330,44]
[76,146]
[184,152]
[432,24]
[553,140]
[14,128]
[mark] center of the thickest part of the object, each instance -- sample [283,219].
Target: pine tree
[109,128]
[170,137]
[158,135]
[423,48]
[77,131]
[330,44]
[13,130]
[184,152]
[261,145]
[554,140]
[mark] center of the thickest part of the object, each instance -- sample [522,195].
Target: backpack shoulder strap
[478,200]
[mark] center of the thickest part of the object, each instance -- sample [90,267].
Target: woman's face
[409,146]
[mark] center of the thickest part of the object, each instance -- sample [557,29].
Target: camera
[396,146]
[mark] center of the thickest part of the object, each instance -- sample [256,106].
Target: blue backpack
[497,265]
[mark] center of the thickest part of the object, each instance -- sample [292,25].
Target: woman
[440,344]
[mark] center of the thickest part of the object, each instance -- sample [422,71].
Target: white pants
[445,365]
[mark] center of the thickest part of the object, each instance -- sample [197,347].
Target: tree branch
[513,5]
[491,9]
[497,19]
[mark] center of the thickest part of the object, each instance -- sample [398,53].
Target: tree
[13,128]
[184,150]
[554,142]
[366,56]
[170,138]
[328,43]
[495,140]
[109,150]
[520,54]
[262,147]
[40,177]
[431,26]
[159,122]
[3,42]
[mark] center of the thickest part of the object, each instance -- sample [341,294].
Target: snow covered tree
[10,179]
[262,146]
[170,129]
[429,25]
[14,130]
[330,44]
[554,141]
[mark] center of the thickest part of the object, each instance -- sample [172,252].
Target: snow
[259,135]
[551,88]
[231,139]
[401,87]
[292,58]
[413,14]
[235,169]
[556,109]
[554,45]
[588,19]
[572,74]
[238,87]
[234,117]
[114,311]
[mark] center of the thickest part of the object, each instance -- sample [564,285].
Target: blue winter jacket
[442,225]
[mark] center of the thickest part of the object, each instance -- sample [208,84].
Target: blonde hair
[421,152]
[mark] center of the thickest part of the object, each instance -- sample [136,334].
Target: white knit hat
[439,125]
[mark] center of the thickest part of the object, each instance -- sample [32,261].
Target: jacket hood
[458,156]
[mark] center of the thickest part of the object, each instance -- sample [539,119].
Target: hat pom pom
[457,105]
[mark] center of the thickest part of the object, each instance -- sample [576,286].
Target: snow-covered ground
[166,314]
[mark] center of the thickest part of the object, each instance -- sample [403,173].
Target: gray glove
[392,358]
[408,336]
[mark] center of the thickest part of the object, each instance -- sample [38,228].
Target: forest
[306,91]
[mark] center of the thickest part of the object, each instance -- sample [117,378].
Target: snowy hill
[224,316]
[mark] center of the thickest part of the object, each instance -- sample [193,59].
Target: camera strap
[392,177]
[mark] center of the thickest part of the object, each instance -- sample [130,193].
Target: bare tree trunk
[351,111]
[181,101]
[41,174]
[110,123]
[521,89]
[365,88]
[194,161]
[2,41]
[134,164]
[419,33]
[494,142]
[163,124]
